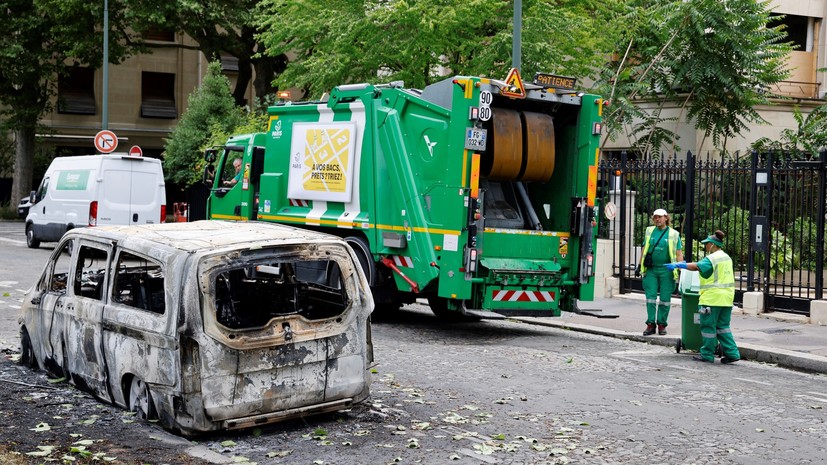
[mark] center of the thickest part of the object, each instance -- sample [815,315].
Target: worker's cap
[713,239]
[660,212]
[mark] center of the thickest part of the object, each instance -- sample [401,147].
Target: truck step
[597,313]
[481,314]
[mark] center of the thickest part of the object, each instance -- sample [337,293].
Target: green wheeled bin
[689,286]
[690,323]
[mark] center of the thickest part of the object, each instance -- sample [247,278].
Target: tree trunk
[23,164]
[267,68]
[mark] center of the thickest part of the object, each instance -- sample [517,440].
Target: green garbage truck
[473,193]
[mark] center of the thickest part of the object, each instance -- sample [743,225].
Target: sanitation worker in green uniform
[715,303]
[661,245]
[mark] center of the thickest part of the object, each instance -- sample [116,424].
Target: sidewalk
[784,339]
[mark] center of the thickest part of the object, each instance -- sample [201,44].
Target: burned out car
[205,326]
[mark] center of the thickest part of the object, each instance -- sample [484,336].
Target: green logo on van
[74,180]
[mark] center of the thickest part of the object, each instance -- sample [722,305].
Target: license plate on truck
[475,139]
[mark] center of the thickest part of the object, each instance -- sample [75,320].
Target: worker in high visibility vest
[715,303]
[661,245]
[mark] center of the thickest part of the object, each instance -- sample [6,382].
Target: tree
[39,41]
[210,111]
[347,41]
[715,58]
[220,27]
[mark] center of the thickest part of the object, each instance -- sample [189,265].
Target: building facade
[147,95]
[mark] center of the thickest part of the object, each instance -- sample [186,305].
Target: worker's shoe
[650,330]
[728,360]
[662,330]
[701,359]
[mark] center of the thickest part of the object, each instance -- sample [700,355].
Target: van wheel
[140,400]
[27,358]
[31,241]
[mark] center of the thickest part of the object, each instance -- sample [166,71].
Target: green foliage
[781,254]
[347,41]
[210,117]
[803,233]
[810,135]
[42,39]
[714,59]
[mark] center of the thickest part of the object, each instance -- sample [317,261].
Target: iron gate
[770,205]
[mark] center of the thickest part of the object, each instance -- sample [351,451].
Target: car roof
[207,235]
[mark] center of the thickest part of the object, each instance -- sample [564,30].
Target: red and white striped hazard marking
[399,260]
[299,203]
[523,296]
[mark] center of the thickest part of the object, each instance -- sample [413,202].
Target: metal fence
[771,207]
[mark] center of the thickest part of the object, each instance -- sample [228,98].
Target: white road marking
[13,241]
[754,381]
[817,399]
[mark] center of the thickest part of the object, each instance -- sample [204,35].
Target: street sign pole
[105,109]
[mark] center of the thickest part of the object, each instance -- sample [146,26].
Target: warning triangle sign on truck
[513,85]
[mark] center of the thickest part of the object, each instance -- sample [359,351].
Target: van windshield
[250,296]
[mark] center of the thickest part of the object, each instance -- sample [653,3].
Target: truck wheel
[362,249]
[382,289]
[31,241]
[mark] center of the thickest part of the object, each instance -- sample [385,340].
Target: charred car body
[207,325]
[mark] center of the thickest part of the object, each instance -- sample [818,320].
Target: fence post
[821,200]
[752,208]
[690,205]
[622,253]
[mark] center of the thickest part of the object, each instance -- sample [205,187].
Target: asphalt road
[510,392]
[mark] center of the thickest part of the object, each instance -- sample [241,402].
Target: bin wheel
[678,346]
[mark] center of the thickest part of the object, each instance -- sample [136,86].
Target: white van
[206,325]
[93,190]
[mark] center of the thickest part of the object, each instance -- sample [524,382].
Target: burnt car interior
[250,297]
[90,272]
[60,269]
[139,283]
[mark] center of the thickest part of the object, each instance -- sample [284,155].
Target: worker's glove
[637,271]
[672,266]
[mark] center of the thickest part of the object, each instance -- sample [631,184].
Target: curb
[784,358]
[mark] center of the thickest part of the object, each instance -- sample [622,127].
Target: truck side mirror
[258,164]
[209,175]
[32,196]
[210,155]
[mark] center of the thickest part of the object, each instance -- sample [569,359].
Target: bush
[803,232]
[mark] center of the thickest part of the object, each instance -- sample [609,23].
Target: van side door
[139,337]
[84,315]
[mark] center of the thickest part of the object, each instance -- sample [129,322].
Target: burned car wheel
[27,358]
[140,400]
